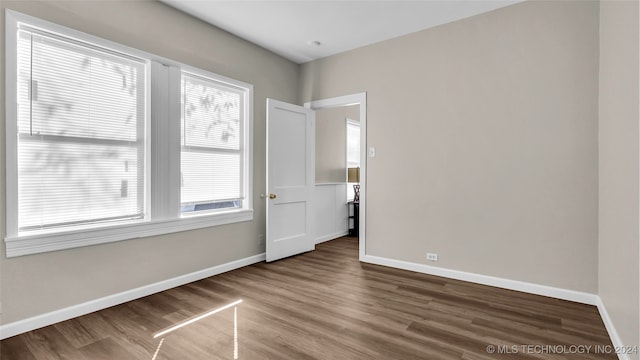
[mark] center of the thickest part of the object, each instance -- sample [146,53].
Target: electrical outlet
[432,257]
[261,239]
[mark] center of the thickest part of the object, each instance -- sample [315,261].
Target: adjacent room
[320,180]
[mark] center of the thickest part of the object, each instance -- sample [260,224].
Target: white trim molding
[611,329]
[544,290]
[50,318]
[333,236]
[34,244]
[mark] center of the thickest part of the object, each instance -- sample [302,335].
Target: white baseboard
[611,329]
[554,292]
[19,327]
[333,236]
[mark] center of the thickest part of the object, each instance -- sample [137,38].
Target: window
[80,128]
[93,154]
[353,151]
[211,156]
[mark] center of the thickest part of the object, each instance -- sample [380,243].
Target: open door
[290,179]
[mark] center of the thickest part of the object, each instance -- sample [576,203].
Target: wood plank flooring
[326,305]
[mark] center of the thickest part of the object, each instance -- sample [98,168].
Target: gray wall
[486,142]
[619,266]
[36,284]
[331,142]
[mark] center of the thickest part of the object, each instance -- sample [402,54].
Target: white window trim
[163,217]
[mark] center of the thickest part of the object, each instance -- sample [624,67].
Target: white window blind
[212,145]
[80,152]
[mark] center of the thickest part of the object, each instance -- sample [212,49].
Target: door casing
[348,100]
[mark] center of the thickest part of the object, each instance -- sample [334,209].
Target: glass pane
[353,152]
[211,115]
[353,145]
[209,177]
[77,91]
[74,182]
[24,81]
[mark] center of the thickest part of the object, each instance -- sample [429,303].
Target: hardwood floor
[327,305]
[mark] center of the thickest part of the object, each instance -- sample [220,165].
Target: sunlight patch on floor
[196,318]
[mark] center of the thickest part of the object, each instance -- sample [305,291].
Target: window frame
[162,153]
[242,148]
[139,143]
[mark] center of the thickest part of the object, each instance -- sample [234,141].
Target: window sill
[40,243]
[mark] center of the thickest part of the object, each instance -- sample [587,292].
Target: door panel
[290,179]
[290,168]
[293,221]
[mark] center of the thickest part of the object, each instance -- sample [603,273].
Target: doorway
[359,100]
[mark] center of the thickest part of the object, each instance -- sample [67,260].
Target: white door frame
[347,100]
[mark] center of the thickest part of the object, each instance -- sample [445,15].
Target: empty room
[320,179]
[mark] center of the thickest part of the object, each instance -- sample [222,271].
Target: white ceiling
[288,28]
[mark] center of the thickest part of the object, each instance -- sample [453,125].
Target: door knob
[272,196]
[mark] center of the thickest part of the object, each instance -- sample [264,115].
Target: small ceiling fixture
[315,43]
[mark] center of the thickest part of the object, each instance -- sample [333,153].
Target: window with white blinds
[212,144]
[107,142]
[80,133]
[353,151]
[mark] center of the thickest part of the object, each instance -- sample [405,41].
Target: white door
[290,179]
